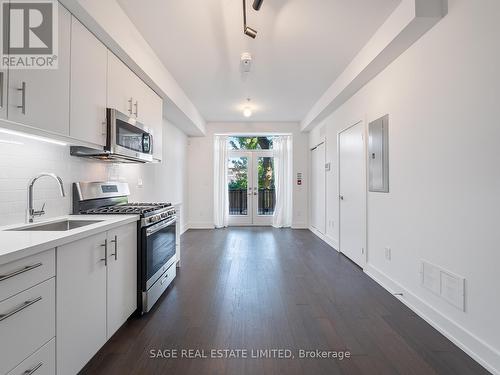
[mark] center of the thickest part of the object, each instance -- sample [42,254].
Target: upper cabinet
[40,97]
[150,113]
[122,86]
[72,99]
[129,94]
[88,86]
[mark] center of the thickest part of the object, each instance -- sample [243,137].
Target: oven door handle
[157,227]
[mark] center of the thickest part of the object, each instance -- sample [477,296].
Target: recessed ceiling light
[247,110]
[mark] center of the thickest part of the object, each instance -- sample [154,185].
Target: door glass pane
[237,176]
[267,193]
[250,143]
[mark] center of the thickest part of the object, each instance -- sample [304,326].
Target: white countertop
[15,245]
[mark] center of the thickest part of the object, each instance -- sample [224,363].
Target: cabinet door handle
[19,308]
[20,271]
[33,369]
[105,245]
[136,105]
[23,98]
[2,75]
[115,241]
[130,101]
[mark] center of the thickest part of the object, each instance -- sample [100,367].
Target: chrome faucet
[30,211]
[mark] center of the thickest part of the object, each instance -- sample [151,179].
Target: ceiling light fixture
[247,30]
[247,110]
[257,4]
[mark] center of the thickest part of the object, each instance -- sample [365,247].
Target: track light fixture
[257,4]
[247,30]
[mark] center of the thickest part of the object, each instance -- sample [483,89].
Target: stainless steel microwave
[127,140]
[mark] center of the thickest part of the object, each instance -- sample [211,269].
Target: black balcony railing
[267,201]
[238,202]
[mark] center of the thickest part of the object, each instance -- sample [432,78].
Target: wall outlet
[140,183]
[388,253]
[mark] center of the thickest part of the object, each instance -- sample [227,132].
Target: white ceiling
[301,47]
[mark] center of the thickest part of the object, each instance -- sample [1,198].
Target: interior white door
[318,198]
[352,193]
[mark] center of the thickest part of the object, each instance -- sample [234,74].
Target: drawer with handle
[42,362]
[26,272]
[27,322]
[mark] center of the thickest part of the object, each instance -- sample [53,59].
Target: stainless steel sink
[58,226]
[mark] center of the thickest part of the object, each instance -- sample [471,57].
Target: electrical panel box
[378,155]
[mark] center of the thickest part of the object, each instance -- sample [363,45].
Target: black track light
[252,33]
[257,4]
[247,30]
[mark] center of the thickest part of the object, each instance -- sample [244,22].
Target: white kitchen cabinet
[122,86]
[3,93]
[81,302]
[121,280]
[130,95]
[27,323]
[42,362]
[150,113]
[88,86]
[26,272]
[96,293]
[40,97]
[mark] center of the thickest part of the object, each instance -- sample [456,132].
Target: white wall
[200,170]
[20,162]
[442,96]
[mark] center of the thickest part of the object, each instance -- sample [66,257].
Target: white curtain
[221,193]
[283,181]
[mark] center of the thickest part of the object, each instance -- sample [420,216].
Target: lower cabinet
[81,302]
[42,362]
[96,293]
[121,283]
[27,322]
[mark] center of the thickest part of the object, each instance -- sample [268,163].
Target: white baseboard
[200,225]
[184,228]
[479,350]
[326,238]
[300,226]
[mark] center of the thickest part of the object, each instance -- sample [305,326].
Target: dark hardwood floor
[264,288]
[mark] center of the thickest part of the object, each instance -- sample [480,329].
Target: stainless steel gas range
[156,247]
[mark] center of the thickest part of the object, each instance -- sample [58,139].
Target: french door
[252,195]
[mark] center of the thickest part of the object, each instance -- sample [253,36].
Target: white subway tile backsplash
[20,163]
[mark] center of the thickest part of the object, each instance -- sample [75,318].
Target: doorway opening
[251,180]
